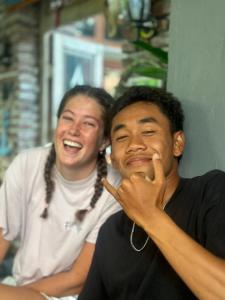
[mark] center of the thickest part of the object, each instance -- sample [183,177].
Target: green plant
[146,65]
[156,66]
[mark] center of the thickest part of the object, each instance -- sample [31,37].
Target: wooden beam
[14,7]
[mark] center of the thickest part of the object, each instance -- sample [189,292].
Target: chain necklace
[131,240]
[132,234]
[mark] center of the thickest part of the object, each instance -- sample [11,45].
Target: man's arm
[69,282]
[203,272]
[4,246]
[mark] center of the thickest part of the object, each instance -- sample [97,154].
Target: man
[169,242]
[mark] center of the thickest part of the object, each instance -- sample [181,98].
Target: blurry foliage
[146,65]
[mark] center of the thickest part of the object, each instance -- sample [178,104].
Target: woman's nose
[75,129]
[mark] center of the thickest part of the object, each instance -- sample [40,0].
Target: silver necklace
[131,240]
[146,241]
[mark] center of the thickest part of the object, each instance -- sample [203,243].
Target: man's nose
[136,143]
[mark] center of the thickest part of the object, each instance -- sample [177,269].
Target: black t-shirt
[120,273]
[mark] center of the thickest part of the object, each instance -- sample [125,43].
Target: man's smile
[137,160]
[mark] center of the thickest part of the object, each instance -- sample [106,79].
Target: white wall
[197,77]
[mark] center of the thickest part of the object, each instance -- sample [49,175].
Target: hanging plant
[156,67]
[147,66]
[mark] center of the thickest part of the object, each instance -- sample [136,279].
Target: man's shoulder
[199,187]
[215,176]
[110,232]
[112,222]
[114,219]
[209,188]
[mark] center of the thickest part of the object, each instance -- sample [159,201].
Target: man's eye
[148,132]
[121,138]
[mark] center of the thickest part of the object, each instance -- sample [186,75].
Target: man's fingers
[110,188]
[158,167]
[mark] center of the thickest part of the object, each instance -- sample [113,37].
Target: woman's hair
[105,101]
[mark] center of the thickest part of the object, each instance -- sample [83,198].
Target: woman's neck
[76,173]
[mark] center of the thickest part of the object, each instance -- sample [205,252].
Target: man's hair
[165,101]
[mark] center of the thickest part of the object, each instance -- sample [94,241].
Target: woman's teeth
[72,144]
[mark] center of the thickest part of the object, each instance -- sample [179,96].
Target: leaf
[150,72]
[159,53]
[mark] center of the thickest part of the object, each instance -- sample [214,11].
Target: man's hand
[140,196]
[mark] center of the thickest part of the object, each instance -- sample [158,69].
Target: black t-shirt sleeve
[94,288]
[215,215]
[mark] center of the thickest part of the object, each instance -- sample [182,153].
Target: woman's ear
[179,143]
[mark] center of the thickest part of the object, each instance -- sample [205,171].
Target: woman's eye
[67,118]
[89,124]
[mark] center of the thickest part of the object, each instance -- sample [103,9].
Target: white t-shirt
[48,246]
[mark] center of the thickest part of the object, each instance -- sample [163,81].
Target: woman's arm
[69,282]
[8,292]
[4,246]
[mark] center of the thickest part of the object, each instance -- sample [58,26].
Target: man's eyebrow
[148,120]
[141,121]
[118,127]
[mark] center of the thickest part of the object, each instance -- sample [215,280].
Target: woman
[52,199]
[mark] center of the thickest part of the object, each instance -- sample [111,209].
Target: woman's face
[79,137]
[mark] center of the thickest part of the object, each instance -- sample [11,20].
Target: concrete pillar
[197,76]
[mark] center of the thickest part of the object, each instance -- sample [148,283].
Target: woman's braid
[98,188]
[49,183]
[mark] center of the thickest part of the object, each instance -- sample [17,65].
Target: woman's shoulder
[30,157]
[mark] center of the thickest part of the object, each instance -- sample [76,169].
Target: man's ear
[178,144]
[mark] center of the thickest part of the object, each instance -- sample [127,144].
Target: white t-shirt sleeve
[12,199]
[109,206]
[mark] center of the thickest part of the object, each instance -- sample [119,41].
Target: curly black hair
[169,105]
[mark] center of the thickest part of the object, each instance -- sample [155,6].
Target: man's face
[138,131]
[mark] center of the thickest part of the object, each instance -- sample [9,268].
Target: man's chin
[142,172]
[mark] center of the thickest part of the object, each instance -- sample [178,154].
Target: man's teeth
[72,144]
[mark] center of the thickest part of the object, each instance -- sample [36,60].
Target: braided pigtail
[98,188]
[49,183]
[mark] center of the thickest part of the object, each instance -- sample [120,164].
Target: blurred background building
[48,46]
